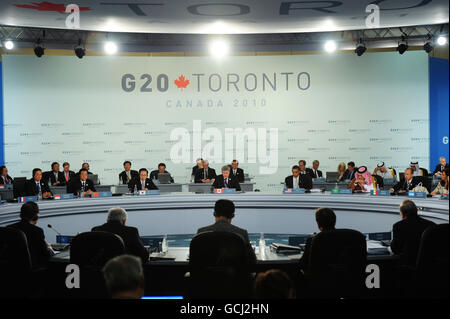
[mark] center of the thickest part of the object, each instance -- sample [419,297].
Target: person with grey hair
[205,174]
[442,166]
[315,172]
[124,277]
[115,224]
[226,180]
[407,233]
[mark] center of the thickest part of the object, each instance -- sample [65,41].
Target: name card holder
[101,194]
[225,190]
[444,196]
[63,196]
[417,194]
[149,192]
[341,191]
[380,193]
[6,186]
[294,191]
[25,199]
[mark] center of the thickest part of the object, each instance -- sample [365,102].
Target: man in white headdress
[416,169]
[382,171]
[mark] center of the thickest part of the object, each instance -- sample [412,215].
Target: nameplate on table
[417,194]
[319,180]
[444,196]
[224,190]
[101,194]
[6,186]
[343,191]
[25,199]
[149,192]
[64,239]
[63,196]
[293,191]
[380,192]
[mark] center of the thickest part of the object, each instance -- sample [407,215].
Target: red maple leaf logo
[181,82]
[48,6]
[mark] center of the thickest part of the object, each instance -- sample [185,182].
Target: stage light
[9,45]
[360,48]
[219,48]
[428,47]
[80,52]
[441,40]
[330,46]
[110,47]
[402,46]
[39,50]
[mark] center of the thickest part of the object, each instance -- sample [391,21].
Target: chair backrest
[94,249]
[379,180]
[337,263]
[19,186]
[14,253]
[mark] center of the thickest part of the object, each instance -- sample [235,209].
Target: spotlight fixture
[360,48]
[402,45]
[38,49]
[9,45]
[80,52]
[441,40]
[110,48]
[219,48]
[330,46]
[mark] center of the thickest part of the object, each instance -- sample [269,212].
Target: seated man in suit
[86,167]
[67,173]
[5,179]
[303,169]
[315,172]
[128,174]
[407,233]
[40,251]
[205,174]
[197,167]
[296,180]
[161,170]
[224,214]
[115,224]
[81,186]
[442,166]
[236,171]
[36,186]
[350,172]
[55,177]
[226,180]
[326,220]
[405,185]
[143,183]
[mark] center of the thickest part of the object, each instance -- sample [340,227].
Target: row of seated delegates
[5,179]
[346,173]
[57,178]
[313,172]
[142,183]
[442,186]
[442,166]
[297,179]
[127,175]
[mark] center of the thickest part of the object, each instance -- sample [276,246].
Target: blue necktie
[226,182]
[38,187]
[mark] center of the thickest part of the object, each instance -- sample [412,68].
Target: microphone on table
[50,226]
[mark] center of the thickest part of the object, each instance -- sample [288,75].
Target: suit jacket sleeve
[44,252]
[152,185]
[198,176]
[288,182]
[396,243]
[236,184]
[241,175]
[91,186]
[136,246]
[304,261]
[218,183]
[307,181]
[213,174]
[250,251]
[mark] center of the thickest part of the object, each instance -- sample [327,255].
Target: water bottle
[165,245]
[135,189]
[262,245]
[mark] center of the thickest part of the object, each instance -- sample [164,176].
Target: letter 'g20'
[129,82]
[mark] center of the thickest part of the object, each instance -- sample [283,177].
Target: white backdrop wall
[100,110]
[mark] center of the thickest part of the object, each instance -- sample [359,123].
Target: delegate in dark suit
[201,174]
[124,178]
[68,176]
[405,186]
[76,186]
[31,188]
[239,174]
[350,175]
[130,237]
[37,246]
[441,168]
[138,183]
[154,175]
[223,225]
[407,234]
[304,181]
[51,177]
[219,182]
[317,174]
[6,180]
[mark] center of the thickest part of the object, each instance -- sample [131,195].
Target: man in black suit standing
[224,214]
[226,180]
[5,179]
[40,251]
[36,187]
[315,172]
[128,174]
[55,177]
[405,185]
[296,180]
[143,183]
[67,173]
[407,233]
[115,224]
[237,172]
[161,170]
[442,166]
[350,172]
[81,186]
[205,174]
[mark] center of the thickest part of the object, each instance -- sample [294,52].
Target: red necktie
[67,177]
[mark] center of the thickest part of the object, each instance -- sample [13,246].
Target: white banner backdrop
[267,111]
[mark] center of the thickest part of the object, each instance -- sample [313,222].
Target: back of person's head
[224,208]
[124,277]
[29,212]
[117,214]
[408,208]
[325,218]
[274,284]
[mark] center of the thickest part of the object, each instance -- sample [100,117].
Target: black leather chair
[19,186]
[15,264]
[380,181]
[219,266]
[90,251]
[432,267]
[337,264]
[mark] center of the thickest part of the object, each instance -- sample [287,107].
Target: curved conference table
[184,213]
